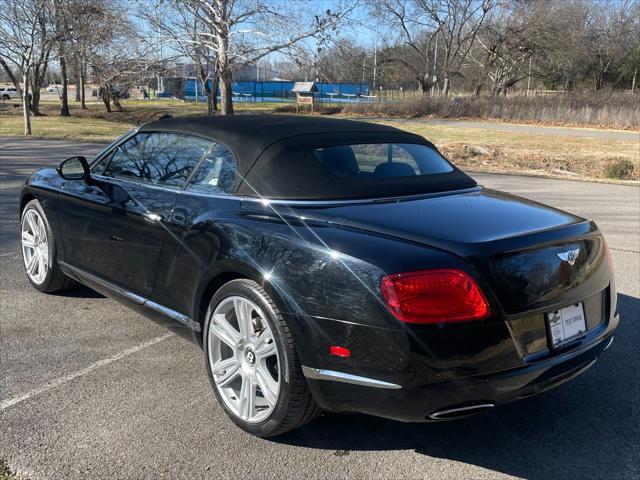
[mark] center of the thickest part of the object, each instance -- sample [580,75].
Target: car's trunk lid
[516,244]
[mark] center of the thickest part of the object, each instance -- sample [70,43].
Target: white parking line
[79,373]
[8,253]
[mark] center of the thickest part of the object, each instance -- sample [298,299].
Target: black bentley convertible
[327,265]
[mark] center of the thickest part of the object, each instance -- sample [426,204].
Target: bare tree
[611,26]
[439,33]
[23,45]
[241,32]
[122,63]
[91,26]
[418,51]
[510,36]
[187,35]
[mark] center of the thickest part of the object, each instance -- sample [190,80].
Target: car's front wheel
[6,98]
[252,362]
[39,252]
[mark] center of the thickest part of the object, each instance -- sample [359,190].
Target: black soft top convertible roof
[275,161]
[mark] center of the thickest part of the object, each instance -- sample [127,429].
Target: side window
[217,172]
[157,158]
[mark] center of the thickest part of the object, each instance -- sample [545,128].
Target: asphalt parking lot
[89,389]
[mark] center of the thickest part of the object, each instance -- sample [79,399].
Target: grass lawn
[96,124]
[469,148]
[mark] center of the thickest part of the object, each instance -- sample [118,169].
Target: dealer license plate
[566,324]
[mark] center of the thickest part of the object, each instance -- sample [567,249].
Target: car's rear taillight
[434,296]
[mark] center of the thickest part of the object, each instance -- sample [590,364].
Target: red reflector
[609,258]
[434,296]
[339,351]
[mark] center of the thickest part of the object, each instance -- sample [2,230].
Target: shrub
[617,110]
[621,169]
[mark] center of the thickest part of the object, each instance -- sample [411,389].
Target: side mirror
[74,168]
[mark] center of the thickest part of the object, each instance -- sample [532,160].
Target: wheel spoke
[28,240]
[225,371]
[43,252]
[40,226]
[265,346]
[243,314]
[247,397]
[33,262]
[268,386]
[222,329]
[32,225]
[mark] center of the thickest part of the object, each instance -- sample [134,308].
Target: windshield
[376,161]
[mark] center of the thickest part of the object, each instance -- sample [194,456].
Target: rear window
[378,161]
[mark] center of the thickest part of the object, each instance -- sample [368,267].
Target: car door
[197,230]
[113,225]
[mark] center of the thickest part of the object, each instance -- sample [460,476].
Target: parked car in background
[53,89]
[327,265]
[7,93]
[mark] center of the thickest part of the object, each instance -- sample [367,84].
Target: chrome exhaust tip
[460,411]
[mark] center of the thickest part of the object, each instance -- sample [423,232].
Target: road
[92,390]
[626,136]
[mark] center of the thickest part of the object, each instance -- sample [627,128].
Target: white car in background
[7,93]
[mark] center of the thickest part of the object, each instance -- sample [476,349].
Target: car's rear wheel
[39,253]
[6,97]
[252,362]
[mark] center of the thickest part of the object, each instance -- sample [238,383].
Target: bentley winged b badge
[569,256]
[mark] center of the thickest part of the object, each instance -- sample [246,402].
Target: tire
[6,98]
[47,278]
[293,405]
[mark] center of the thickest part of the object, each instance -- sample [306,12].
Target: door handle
[153,217]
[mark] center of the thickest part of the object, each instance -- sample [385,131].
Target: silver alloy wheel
[244,359]
[35,247]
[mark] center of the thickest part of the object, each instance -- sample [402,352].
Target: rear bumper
[452,398]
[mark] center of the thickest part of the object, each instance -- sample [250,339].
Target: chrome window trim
[399,198]
[321,374]
[167,188]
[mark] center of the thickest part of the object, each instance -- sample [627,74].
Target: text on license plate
[566,324]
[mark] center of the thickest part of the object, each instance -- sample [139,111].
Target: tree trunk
[37,79]
[25,104]
[116,101]
[106,98]
[424,85]
[204,78]
[445,86]
[64,101]
[214,98]
[83,75]
[226,93]
[77,86]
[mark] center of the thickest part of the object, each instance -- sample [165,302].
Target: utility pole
[434,77]
[529,78]
[375,59]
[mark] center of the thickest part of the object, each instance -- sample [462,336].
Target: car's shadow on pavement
[586,428]
[80,291]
